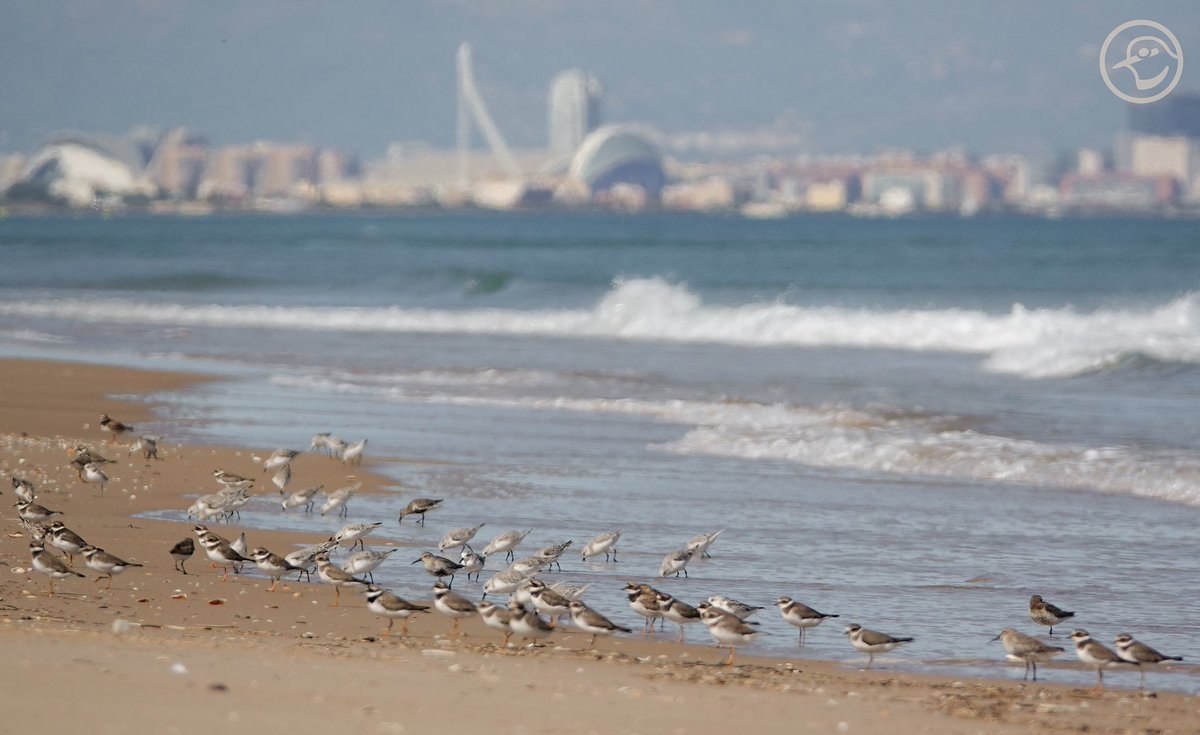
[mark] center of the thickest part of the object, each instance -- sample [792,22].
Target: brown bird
[114,427]
[183,551]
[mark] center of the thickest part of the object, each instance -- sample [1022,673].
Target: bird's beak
[996,638]
[1127,61]
[414,561]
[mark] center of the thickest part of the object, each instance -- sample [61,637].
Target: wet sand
[167,652]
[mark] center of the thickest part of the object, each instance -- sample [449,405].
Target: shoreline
[264,635]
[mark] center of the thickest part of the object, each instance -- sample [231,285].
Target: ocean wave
[1034,343]
[835,436]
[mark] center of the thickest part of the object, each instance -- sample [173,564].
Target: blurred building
[619,155]
[177,166]
[574,109]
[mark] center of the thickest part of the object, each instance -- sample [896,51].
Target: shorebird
[1043,613]
[147,445]
[51,565]
[229,479]
[306,558]
[677,611]
[24,489]
[1094,653]
[34,513]
[221,553]
[570,591]
[419,507]
[273,565]
[547,600]
[181,552]
[282,477]
[527,623]
[338,577]
[496,617]
[471,562]
[505,542]
[458,537]
[800,615]
[366,562]
[439,566]
[279,458]
[700,543]
[352,534]
[590,621]
[82,456]
[1136,652]
[552,553]
[328,443]
[338,499]
[644,600]
[674,563]
[65,540]
[452,605]
[503,583]
[728,630]
[872,642]
[353,453]
[105,563]
[739,610]
[382,602]
[113,427]
[93,474]
[305,497]
[603,544]
[1026,648]
[527,565]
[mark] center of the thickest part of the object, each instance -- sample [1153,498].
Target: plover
[279,458]
[728,630]
[338,499]
[106,564]
[503,583]
[700,543]
[419,507]
[1136,652]
[458,537]
[472,563]
[1026,648]
[527,623]
[92,474]
[872,642]
[800,615]
[439,566]
[337,577]
[496,617]
[113,427]
[181,552]
[605,543]
[33,512]
[592,622]
[306,497]
[147,445]
[548,601]
[51,565]
[505,542]
[551,554]
[674,563]
[1094,653]
[677,611]
[222,554]
[353,453]
[82,456]
[366,562]
[383,602]
[65,540]
[273,565]
[352,534]
[229,479]
[739,610]
[24,489]
[643,600]
[452,605]
[1043,613]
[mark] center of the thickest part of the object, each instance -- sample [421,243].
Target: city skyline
[807,78]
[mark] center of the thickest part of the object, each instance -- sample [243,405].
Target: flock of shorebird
[533,607]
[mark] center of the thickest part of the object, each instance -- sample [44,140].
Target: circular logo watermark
[1141,61]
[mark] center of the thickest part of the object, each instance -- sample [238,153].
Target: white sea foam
[840,437]
[1034,343]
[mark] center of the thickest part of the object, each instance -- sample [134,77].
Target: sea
[912,423]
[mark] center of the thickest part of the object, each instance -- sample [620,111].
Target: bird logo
[1152,61]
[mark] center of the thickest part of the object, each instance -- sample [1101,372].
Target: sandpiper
[1136,652]
[505,542]
[872,642]
[739,610]
[105,563]
[113,427]
[472,563]
[728,630]
[352,534]
[65,540]
[550,554]
[527,565]
[590,621]
[419,507]
[338,577]
[147,445]
[1043,613]
[526,623]
[452,605]
[1094,653]
[279,458]
[800,615]
[181,552]
[1026,648]
[458,537]
[503,583]
[92,473]
[700,543]
[353,453]
[24,489]
[674,563]
[366,562]
[305,497]
[328,443]
[273,565]
[306,558]
[51,565]
[82,456]
[382,602]
[496,617]
[338,499]
[282,477]
[570,591]
[603,544]
[439,566]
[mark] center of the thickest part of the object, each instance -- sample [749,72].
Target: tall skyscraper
[574,109]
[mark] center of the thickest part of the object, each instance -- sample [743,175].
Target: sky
[852,76]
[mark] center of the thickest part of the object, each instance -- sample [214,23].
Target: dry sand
[288,661]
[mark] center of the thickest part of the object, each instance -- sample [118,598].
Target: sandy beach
[166,652]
